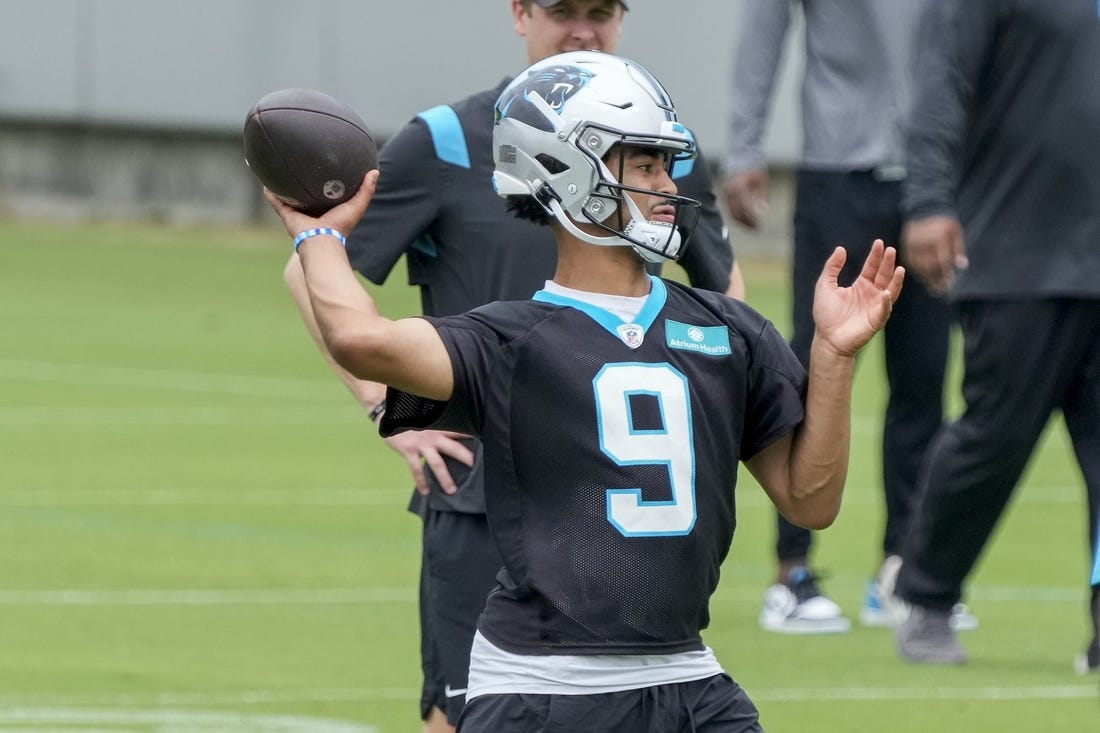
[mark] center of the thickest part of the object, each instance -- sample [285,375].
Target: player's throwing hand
[342,218]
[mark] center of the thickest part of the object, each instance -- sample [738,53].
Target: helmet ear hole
[551,164]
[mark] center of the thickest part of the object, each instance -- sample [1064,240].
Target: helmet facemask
[613,211]
[556,125]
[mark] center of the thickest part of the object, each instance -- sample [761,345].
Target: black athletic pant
[853,209]
[1024,359]
[459,566]
[711,705]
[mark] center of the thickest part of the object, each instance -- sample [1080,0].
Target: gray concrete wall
[99,172]
[133,108]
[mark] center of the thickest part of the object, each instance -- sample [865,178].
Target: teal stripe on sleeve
[1096,560]
[447,136]
[681,168]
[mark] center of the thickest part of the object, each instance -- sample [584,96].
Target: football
[309,149]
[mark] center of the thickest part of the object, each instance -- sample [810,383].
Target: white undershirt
[494,671]
[626,307]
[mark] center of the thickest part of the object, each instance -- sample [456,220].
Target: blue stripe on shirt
[447,135]
[1096,560]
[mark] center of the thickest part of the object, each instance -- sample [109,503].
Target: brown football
[308,148]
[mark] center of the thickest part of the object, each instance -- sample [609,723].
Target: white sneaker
[962,619]
[881,608]
[799,607]
[874,611]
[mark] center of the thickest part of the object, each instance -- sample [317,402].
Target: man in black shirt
[1003,209]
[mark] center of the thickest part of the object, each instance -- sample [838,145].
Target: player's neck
[596,269]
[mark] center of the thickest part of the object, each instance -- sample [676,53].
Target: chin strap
[655,241]
[662,240]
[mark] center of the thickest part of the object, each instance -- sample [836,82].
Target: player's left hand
[342,217]
[847,318]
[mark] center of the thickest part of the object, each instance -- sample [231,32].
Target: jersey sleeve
[955,42]
[473,347]
[777,392]
[1096,566]
[752,78]
[405,203]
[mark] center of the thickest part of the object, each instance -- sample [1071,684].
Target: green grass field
[200,532]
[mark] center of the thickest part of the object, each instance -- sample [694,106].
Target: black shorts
[712,705]
[459,565]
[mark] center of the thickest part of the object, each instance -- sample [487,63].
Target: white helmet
[557,120]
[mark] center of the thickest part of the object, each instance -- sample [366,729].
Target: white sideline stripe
[748,496]
[1034,594]
[305,496]
[239,697]
[184,381]
[354,596]
[100,415]
[176,414]
[178,721]
[980,593]
[868,694]
[213,597]
[28,707]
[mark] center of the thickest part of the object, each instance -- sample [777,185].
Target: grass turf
[197,519]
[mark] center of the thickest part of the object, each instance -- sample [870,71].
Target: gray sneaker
[925,636]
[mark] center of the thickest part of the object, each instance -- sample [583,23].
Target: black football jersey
[436,205]
[611,455]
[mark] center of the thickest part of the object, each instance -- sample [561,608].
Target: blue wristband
[315,232]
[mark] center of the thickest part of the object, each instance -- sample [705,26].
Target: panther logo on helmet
[558,83]
[555,84]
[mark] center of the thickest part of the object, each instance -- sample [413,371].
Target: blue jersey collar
[658,294]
